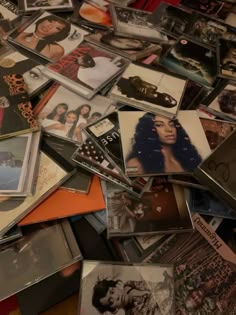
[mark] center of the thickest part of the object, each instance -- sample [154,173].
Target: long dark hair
[54,112]
[72,129]
[51,39]
[147,147]
[78,110]
[99,291]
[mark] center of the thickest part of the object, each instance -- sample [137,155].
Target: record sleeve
[63,113]
[204,269]
[218,9]
[133,23]
[50,176]
[132,49]
[192,60]
[37,36]
[156,145]
[217,171]
[171,19]
[149,287]
[16,115]
[13,62]
[226,58]
[149,90]
[162,211]
[82,70]
[30,6]
[43,249]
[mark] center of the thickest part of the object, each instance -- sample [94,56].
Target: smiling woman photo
[161,145]
[49,30]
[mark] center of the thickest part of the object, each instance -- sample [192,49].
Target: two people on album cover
[68,123]
[134,297]
[161,145]
[49,30]
[135,87]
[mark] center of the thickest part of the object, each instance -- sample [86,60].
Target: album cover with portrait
[87,14]
[30,6]
[204,266]
[157,145]
[222,102]
[64,114]
[41,244]
[50,176]
[16,115]
[121,288]
[129,22]
[217,171]
[171,19]
[207,30]
[149,90]
[216,130]
[192,60]
[161,210]
[47,35]
[12,62]
[227,58]
[82,70]
[131,48]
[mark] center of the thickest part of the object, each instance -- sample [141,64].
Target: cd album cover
[131,48]
[44,249]
[216,131]
[192,60]
[12,62]
[170,19]
[217,171]
[205,277]
[126,289]
[50,176]
[224,103]
[134,23]
[14,159]
[155,145]
[82,70]
[8,11]
[63,113]
[16,115]
[37,35]
[161,211]
[227,59]
[149,90]
[29,6]
[222,10]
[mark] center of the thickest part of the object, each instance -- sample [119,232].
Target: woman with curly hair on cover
[161,145]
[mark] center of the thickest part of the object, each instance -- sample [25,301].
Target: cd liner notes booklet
[64,203]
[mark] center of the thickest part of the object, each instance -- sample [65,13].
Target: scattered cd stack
[117,157]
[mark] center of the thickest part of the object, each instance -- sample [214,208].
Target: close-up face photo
[46,27]
[166,129]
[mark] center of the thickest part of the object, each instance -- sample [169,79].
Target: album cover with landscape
[16,115]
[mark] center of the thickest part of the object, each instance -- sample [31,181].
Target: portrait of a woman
[82,112]
[161,145]
[49,30]
[58,113]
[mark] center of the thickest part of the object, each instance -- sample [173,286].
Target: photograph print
[82,69]
[48,5]
[126,289]
[14,157]
[171,19]
[192,60]
[162,210]
[156,145]
[217,9]
[227,58]
[48,35]
[224,104]
[135,23]
[157,91]
[64,114]
[131,48]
